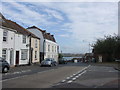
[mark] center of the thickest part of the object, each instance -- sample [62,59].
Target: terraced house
[49,46]
[17,45]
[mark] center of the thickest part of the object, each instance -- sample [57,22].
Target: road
[75,75]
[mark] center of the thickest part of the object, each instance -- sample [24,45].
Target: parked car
[49,62]
[4,66]
[63,61]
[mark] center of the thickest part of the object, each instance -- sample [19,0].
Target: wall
[38,34]
[19,45]
[35,49]
[9,46]
[1,39]
[52,53]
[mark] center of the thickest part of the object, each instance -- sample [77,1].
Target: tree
[109,47]
[60,56]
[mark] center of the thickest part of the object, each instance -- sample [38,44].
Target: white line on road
[74,78]
[69,81]
[63,81]
[23,76]
[68,78]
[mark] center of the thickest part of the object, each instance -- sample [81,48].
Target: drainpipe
[43,48]
[29,50]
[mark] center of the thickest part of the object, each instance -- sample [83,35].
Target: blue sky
[74,24]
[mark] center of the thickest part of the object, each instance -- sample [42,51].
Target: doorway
[17,58]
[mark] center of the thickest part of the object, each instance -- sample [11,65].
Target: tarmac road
[43,79]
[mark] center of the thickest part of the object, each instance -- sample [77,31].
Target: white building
[49,47]
[15,43]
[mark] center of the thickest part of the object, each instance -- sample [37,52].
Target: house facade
[49,47]
[35,50]
[15,44]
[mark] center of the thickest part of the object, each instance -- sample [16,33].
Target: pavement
[114,65]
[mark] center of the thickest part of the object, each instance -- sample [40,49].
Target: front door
[17,57]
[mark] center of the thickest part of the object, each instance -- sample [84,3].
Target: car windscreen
[47,60]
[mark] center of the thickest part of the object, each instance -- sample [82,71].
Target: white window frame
[4,55]
[48,48]
[5,36]
[52,49]
[24,54]
[36,43]
[24,39]
[35,54]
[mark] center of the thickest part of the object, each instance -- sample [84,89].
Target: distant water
[70,58]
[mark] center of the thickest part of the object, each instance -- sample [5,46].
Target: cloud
[25,15]
[76,24]
[54,14]
[64,35]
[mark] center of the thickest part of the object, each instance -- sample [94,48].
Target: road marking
[74,74]
[17,72]
[74,78]
[82,73]
[23,76]
[63,81]
[68,78]
[77,76]
[69,81]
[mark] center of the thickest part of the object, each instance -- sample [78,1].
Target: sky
[75,25]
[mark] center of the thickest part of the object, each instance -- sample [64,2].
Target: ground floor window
[35,54]
[4,53]
[24,54]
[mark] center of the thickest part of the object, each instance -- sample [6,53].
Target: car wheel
[5,69]
[51,65]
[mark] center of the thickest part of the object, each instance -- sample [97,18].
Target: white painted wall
[19,45]
[8,45]
[1,39]
[52,53]
[14,43]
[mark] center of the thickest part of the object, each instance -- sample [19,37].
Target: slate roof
[45,34]
[13,25]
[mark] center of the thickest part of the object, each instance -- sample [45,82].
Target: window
[52,49]
[4,53]
[5,35]
[36,43]
[35,54]
[55,48]
[24,54]
[48,47]
[24,39]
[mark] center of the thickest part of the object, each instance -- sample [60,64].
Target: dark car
[63,61]
[4,66]
[49,62]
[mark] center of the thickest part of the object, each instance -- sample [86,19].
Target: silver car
[49,62]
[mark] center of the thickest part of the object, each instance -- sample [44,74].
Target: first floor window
[48,47]
[24,54]
[5,35]
[4,53]
[24,39]
[36,43]
[35,54]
